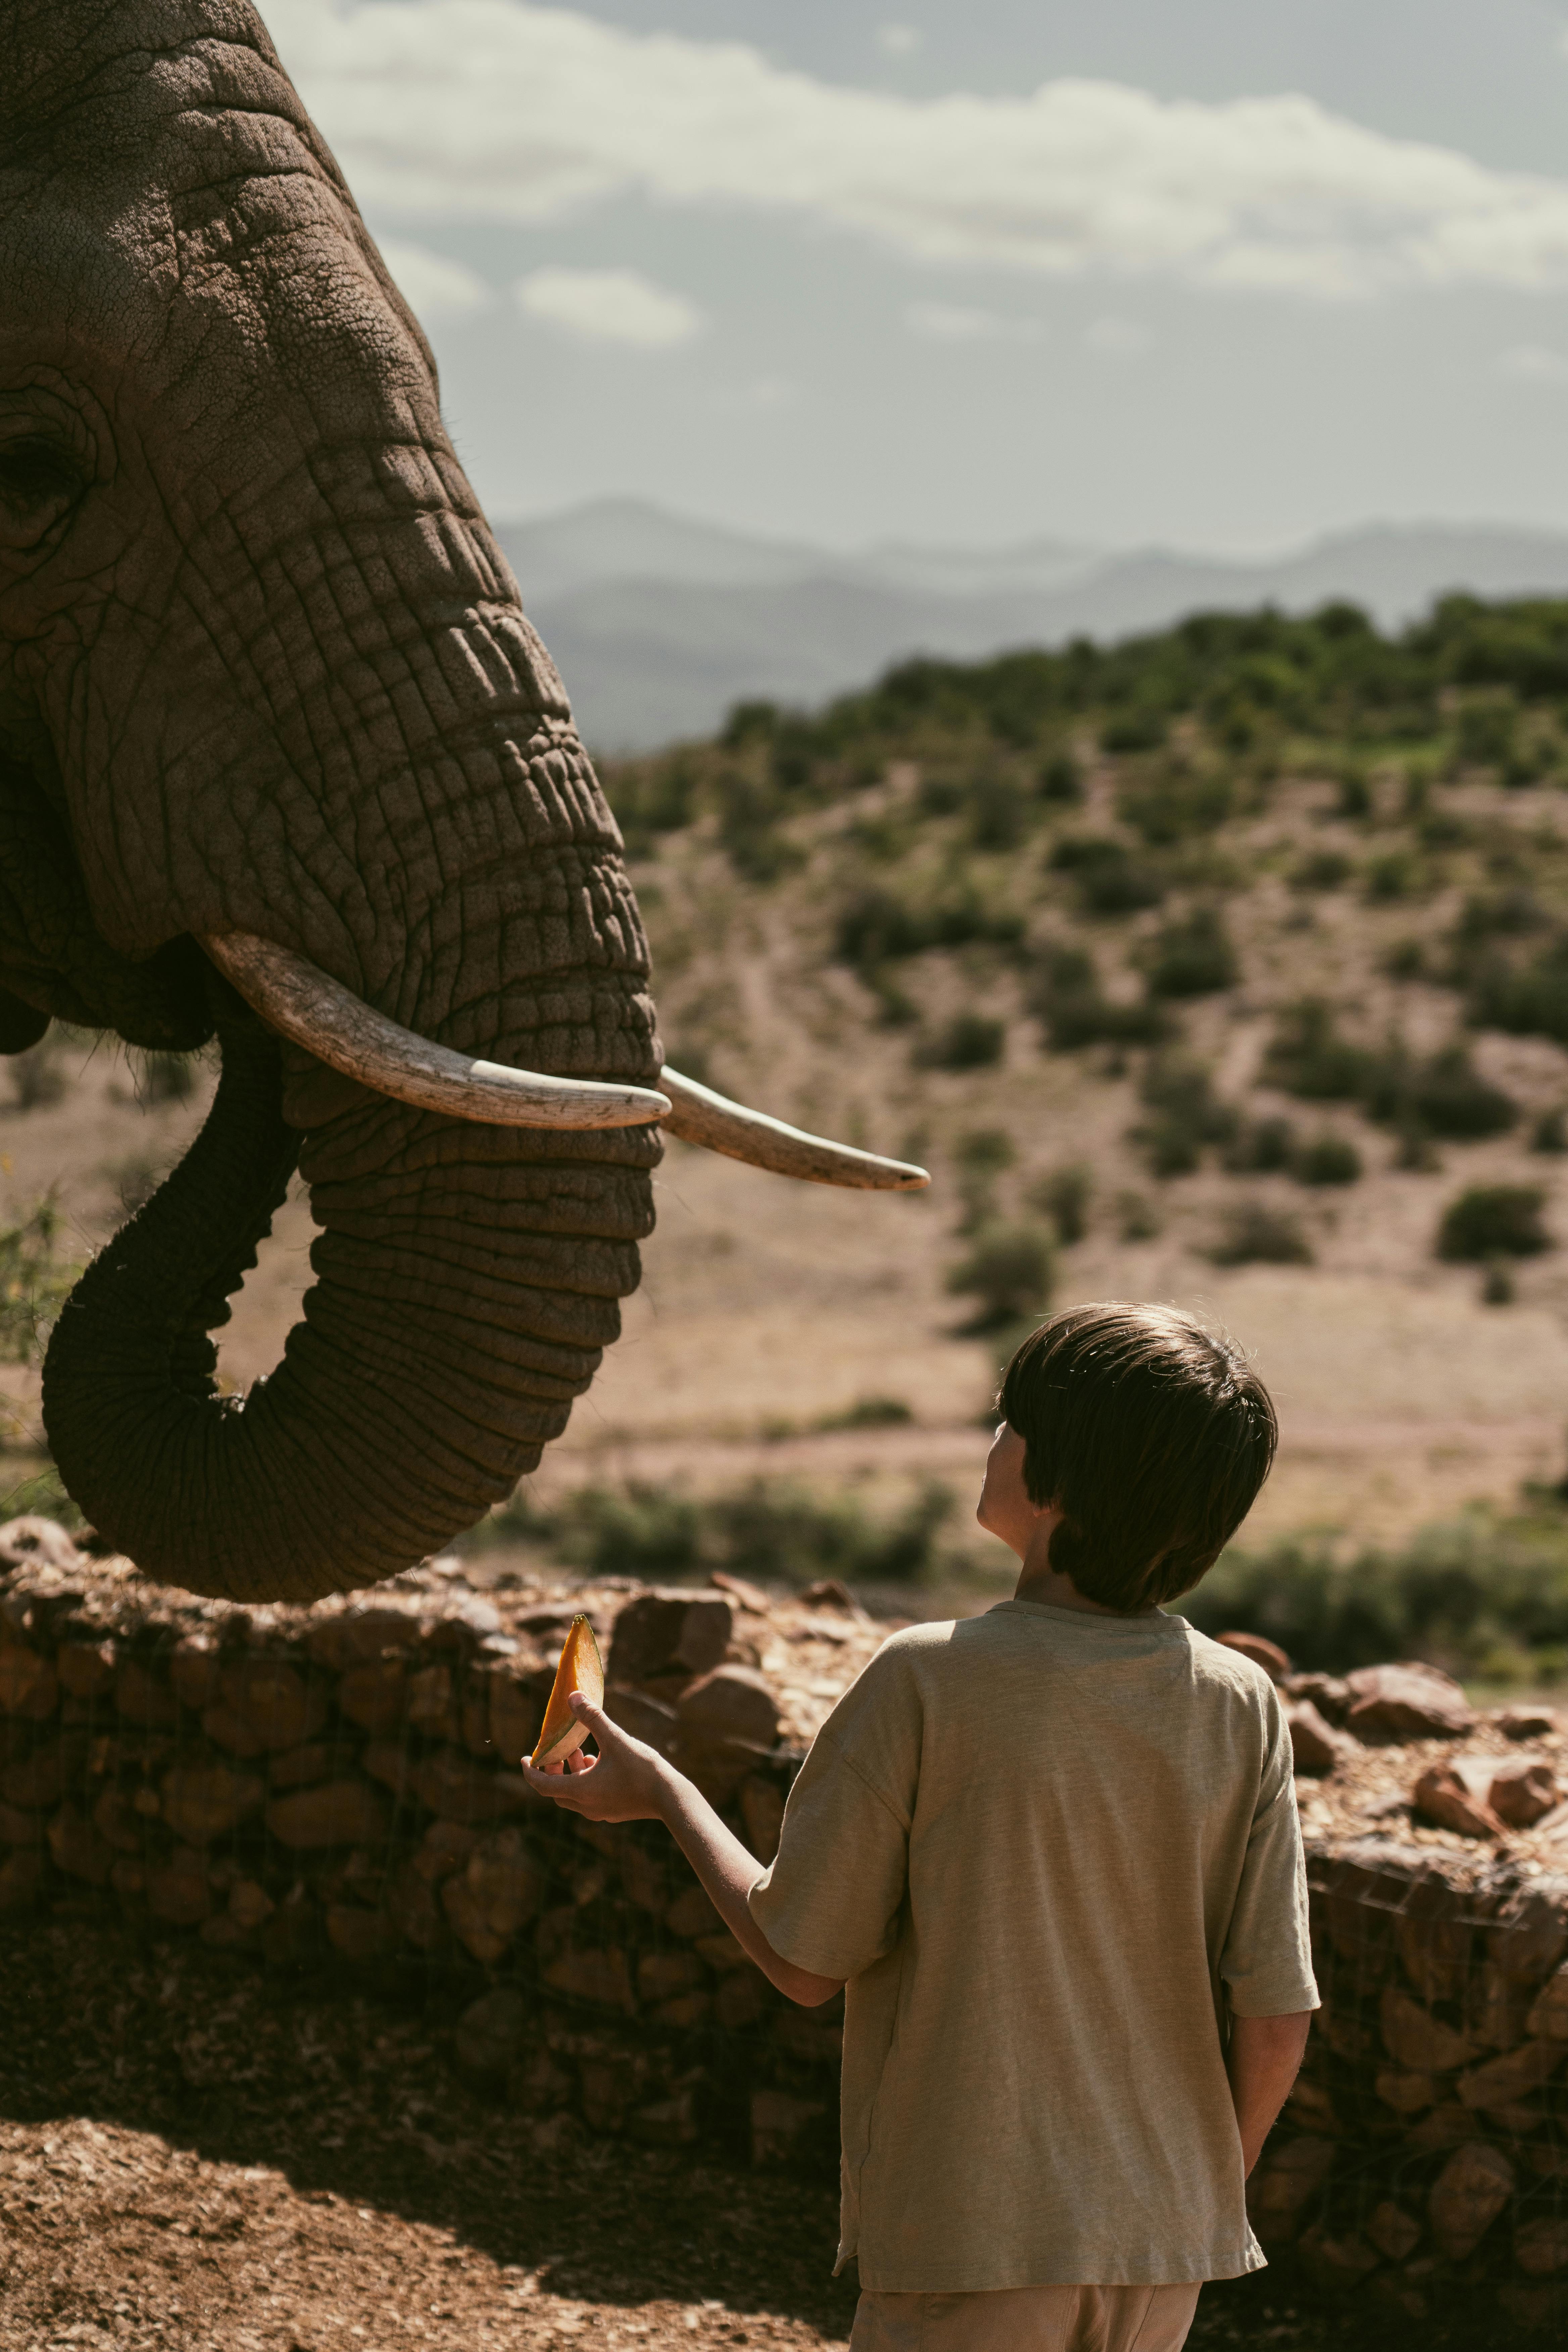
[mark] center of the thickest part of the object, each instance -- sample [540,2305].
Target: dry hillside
[1215,968]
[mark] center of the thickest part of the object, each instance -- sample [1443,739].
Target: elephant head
[282,761]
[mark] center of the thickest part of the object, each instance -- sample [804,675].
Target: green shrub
[1133,730]
[1064,1195]
[775,1530]
[1549,1132]
[1173,806]
[1326,1160]
[1529,1000]
[1307,1056]
[35,1282]
[1137,1218]
[1110,880]
[1254,1233]
[970,1041]
[1261,1147]
[1194,956]
[1493,1220]
[1187,1115]
[1323,870]
[38,1078]
[1059,780]
[1444,1096]
[168,1077]
[651,797]
[1008,1273]
[1481,1596]
[981,1155]
[998,813]
[1394,875]
[869,1413]
[749,833]
[1067,996]
[880,925]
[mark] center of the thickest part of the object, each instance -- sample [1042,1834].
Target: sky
[1223,275]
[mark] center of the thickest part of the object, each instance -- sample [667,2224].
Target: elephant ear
[21,1024]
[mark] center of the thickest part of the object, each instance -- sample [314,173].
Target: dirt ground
[203,2161]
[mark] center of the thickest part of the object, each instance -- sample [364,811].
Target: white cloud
[432,284]
[948,322]
[900,40]
[1118,338]
[609,306]
[504,109]
[1532,363]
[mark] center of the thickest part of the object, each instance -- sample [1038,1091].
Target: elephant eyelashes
[39,482]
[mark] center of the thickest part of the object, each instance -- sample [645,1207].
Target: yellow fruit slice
[581,1669]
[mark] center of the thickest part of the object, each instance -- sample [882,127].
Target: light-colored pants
[1027,2319]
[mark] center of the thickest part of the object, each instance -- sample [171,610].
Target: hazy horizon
[1225,279]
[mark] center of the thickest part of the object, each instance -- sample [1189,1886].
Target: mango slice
[581,1669]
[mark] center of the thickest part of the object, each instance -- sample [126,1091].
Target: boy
[1052,1854]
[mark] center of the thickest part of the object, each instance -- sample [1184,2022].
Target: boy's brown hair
[1150,1435]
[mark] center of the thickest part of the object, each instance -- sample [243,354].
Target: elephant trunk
[467,1281]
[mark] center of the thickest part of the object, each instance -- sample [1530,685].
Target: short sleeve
[1267,1960]
[831,1900]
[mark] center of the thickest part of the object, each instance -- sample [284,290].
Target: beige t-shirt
[1043,1847]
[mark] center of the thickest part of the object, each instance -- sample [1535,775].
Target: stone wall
[338,1784]
[1423,2155]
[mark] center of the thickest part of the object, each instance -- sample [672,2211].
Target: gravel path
[205,2162]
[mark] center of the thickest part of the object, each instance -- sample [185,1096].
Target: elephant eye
[40,480]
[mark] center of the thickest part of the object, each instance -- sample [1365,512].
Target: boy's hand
[624,1782]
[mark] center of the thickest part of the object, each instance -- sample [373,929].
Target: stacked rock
[1424,2152]
[342,1783]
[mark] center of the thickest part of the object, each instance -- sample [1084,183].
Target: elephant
[282,763]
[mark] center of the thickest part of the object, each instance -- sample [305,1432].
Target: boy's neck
[1041,1582]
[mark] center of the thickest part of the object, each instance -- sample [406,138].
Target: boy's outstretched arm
[628,1782]
[1263,2061]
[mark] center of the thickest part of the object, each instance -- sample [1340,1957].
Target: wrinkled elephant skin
[263,669]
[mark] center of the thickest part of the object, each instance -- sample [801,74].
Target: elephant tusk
[700,1116]
[304,1003]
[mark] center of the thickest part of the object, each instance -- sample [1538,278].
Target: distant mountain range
[658,623]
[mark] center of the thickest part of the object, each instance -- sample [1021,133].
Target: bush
[37,1078]
[1262,1147]
[1307,1056]
[1529,1000]
[1187,1116]
[1253,1234]
[1474,1597]
[1109,880]
[168,1077]
[1326,1159]
[35,1282]
[1059,778]
[998,813]
[1008,1273]
[981,1155]
[1445,1096]
[1394,876]
[1549,1132]
[968,1042]
[1324,869]
[1194,956]
[1171,807]
[1493,1220]
[1067,996]
[771,1528]
[1133,730]
[879,925]
[1064,1196]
